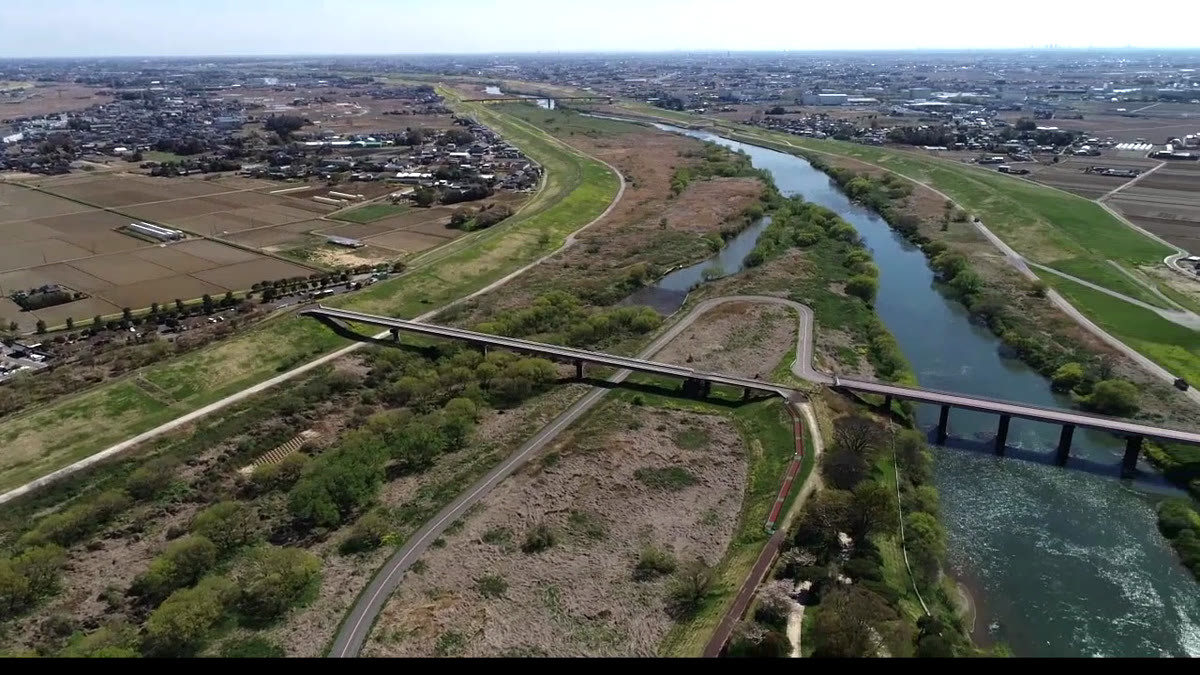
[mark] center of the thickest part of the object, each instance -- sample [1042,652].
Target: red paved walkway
[765,559]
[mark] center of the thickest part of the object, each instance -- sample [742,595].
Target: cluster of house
[435,162]
[169,120]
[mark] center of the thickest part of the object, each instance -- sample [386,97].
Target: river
[1061,562]
[547,103]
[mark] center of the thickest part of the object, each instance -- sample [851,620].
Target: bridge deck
[558,351]
[1022,410]
[980,403]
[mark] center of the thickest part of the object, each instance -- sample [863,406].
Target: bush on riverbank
[1180,524]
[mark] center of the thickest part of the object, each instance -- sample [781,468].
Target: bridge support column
[579,369]
[745,393]
[1002,433]
[1133,448]
[395,334]
[705,388]
[1064,444]
[887,402]
[943,423]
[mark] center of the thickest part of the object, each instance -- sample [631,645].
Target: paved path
[356,627]
[117,449]
[1184,318]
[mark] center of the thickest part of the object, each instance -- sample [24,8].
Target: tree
[1038,288]
[856,434]
[183,621]
[70,323]
[283,125]
[851,623]
[97,324]
[274,579]
[967,283]
[689,588]
[948,265]
[15,595]
[750,640]
[1067,377]
[150,478]
[179,307]
[912,456]
[873,509]
[229,525]
[367,534]
[126,315]
[774,604]
[113,640]
[925,542]
[424,196]
[863,286]
[41,327]
[1114,397]
[206,303]
[181,564]
[844,469]
[826,514]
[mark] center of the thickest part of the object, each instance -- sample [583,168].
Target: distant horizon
[275,28]
[601,52]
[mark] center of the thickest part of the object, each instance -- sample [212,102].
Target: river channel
[1060,562]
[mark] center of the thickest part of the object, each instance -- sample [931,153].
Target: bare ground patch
[741,338]
[480,595]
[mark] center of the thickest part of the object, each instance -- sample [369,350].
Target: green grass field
[160,157]
[576,191]
[1170,345]
[371,212]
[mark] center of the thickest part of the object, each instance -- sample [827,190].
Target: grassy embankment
[576,190]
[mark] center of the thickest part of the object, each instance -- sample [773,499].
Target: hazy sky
[244,27]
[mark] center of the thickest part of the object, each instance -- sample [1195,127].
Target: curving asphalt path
[354,630]
[121,447]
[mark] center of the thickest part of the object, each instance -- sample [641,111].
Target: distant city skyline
[81,28]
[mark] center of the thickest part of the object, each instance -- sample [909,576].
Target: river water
[547,103]
[1061,562]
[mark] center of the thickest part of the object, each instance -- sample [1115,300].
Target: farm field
[1069,175]
[49,239]
[1167,203]
[48,99]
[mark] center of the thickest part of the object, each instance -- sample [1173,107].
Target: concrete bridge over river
[700,383]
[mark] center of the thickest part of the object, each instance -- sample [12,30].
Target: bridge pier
[1002,433]
[1064,444]
[1133,447]
[579,369]
[745,393]
[705,388]
[943,423]
[887,402]
[395,334]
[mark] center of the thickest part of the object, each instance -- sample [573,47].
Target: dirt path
[795,621]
